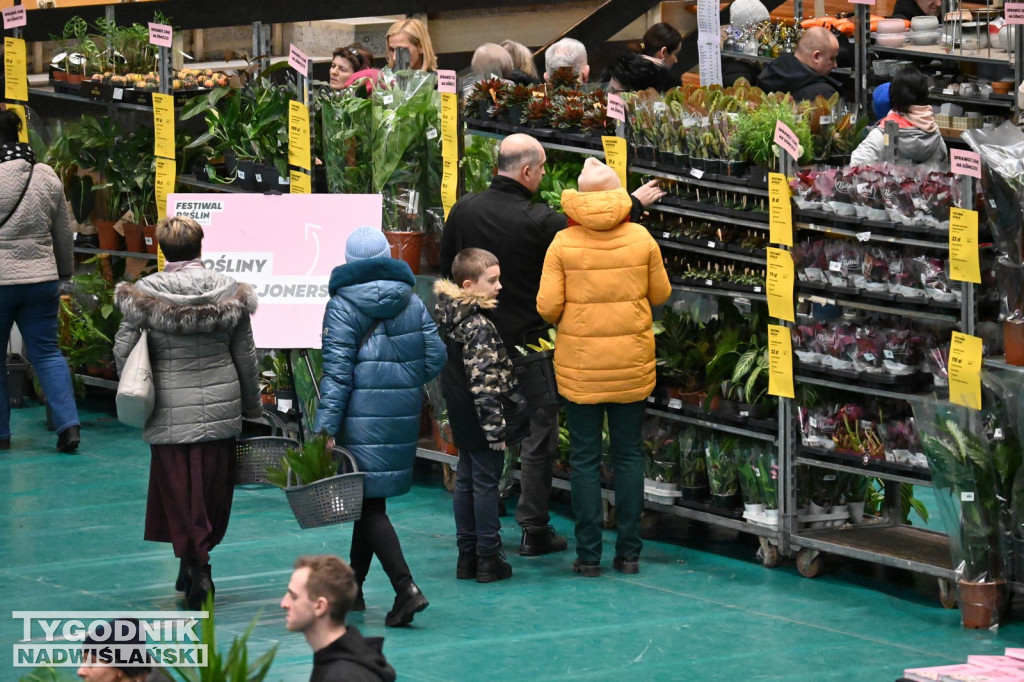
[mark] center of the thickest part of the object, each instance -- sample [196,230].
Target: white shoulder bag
[136,394]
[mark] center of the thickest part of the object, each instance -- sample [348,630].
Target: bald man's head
[521,157]
[817,50]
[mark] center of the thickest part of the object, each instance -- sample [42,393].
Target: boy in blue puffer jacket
[380,346]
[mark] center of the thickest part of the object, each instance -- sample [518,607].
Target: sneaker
[408,603]
[624,565]
[538,541]
[588,569]
[492,568]
[465,569]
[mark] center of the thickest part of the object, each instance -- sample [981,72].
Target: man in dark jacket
[805,73]
[908,9]
[504,221]
[320,594]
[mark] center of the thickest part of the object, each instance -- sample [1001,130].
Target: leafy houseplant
[693,468]
[313,462]
[348,130]
[234,666]
[563,171]
[682,350]
[722,471]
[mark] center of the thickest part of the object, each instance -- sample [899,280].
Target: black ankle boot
[68,439]
[202,585]
[408,603]
[359,603]
[465,569]
[492,568]
[184,581]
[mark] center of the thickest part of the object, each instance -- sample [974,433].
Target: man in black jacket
[320,595]
[504,221]
[805,73]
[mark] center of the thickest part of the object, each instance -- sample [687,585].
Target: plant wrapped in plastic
[768,477]
[1002,183]
[747,469]
[693,467]
[406,123]
[974,457]
[348,152]
[723,474]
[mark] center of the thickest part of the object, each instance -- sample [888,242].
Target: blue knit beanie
[880,101]
[366,242]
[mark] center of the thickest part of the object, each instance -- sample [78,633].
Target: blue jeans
[34,307]
[475,501]
[625,430]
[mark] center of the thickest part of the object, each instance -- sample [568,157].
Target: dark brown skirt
[191,487]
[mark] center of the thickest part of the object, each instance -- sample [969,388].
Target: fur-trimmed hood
[454,304]
[380,287]
[190,301]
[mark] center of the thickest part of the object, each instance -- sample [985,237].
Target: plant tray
[710,508]
[907,383]
[761,519]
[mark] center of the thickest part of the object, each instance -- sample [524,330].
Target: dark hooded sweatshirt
[352,658]
[788,74]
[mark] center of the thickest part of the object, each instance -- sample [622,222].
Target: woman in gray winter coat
[206,377]
[35,250]
[380,346]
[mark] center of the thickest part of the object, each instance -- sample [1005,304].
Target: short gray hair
[565,52]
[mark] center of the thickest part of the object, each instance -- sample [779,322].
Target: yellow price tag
[780,210]
[299,183]
[615,155]
[165,176]
[15,70]
[964,370]
[964,263]
[780,277]
[449,184]
[298,136]
[20,111]
[780,361]
[163,125]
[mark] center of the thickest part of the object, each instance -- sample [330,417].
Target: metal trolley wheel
[947,593]
[768,554]
[809,562]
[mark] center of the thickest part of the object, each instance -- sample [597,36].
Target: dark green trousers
[625,426]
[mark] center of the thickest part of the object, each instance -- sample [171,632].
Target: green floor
[702,608]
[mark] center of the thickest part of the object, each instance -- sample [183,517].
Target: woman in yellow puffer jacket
[601,276]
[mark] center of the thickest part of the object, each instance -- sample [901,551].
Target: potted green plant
[682,349]
[347,134]
[277,372]
[723,475]
[749,475]
[317,493]
[235,664]
[693,468]
[768,479]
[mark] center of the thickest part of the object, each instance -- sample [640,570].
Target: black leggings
[374,534]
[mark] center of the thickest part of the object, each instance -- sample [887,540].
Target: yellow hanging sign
[449,150]
[780,361]
[20,111]
[299,183]
[780,277]
[163,125]
[298,136]
[15,70]
[964,263]
[615,155]
[780,210]
[964,370]
[165,176]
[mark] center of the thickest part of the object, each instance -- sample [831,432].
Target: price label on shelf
[1014,12]
[780,278]
[161,35]
[964,370]
[964,263]
[298,135]
[615,155]
[787,139]
[14,17]
[780,361]
[299,182]
[15,70]
[963,162]
[449,184]
[449,143]
[780,210]
[165,172]
[163,125]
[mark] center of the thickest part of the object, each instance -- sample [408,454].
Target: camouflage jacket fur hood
[201,350]
[479,371]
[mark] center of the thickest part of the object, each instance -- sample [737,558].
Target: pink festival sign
[284,246]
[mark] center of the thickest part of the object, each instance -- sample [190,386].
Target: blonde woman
[522,61]
[412,35]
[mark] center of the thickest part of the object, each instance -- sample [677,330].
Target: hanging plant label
[14,17]
[787,139]
[161,35]
[298,60]
[965,163]
[966,497]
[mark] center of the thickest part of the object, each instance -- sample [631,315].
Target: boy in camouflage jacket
[484,408]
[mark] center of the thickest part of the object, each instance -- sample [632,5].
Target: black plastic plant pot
[245,175]
[758,176]
[267,177]
[698,493]
[726,501]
